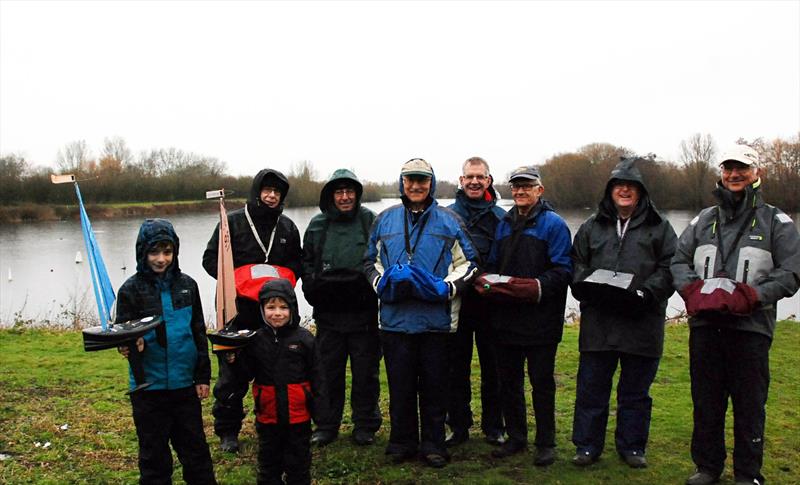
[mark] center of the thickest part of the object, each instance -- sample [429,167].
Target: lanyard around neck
[258,239]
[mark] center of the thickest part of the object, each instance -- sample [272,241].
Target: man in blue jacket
[531,252]
[419,258]
[476,204]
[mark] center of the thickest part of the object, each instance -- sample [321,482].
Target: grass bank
[28,212]
[64,419]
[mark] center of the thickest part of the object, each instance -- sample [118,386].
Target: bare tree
[115,148]
[697,154]
[74,157]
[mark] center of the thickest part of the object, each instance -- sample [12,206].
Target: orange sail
[226,282]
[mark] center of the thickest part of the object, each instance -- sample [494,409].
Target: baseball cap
[740,153]
[528,172]
[417,166]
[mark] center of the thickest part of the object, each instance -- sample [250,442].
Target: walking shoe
[435,460]
[323,437]
[363,437]
[495,439]
[583,458]
[747,481]
[229,444]
[456,438]
[701,477]
[544,456]
[398,457]
[508,448]
[635,459]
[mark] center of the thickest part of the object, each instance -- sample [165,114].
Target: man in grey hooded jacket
[733,263]
[627,236]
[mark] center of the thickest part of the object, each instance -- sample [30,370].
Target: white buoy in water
[10,278]
[78,258]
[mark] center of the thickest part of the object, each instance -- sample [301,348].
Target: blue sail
[103,291]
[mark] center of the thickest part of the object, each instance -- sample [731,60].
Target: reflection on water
[46,283]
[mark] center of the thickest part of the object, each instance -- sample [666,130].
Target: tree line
[572,179]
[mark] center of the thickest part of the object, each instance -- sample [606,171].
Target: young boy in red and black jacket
[283,362]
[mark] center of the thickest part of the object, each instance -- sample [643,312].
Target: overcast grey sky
[370,85]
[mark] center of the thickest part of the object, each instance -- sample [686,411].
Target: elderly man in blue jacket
[530,269]
[419,258]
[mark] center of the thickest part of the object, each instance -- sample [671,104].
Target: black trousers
[364,351]
[417,370]
[230,390]
[541,365]
[727,363]
[634,404]
[459,412]
[164,417]
[284,449]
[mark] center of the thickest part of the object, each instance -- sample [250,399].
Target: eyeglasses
[270,190]
[344,192]
[479,178]
[523,186]
[739,167]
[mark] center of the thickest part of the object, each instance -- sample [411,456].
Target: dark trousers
[511,368]
[364,351]
[459,412]
[230,390]
[731,363]
[417,368]
[164,417]
[284,449]
[634,405]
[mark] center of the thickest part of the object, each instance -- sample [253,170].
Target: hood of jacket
[273,178]
[431,195]
[626,170]
[151,232]
[338,177]
[280,288]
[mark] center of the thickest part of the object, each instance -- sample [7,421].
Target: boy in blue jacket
[174,356]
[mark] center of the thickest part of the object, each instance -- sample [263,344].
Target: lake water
[40,281]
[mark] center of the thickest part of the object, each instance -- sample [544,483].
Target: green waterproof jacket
[334,243]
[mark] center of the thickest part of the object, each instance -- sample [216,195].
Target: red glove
[719,295]
[743,300]
[507,287]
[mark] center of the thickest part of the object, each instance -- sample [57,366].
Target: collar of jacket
[468,208]
[733,208]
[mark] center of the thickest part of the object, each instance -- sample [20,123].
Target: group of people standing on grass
[423,285]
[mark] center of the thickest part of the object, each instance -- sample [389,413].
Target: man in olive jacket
[627,236]
[733,263]
[345,308]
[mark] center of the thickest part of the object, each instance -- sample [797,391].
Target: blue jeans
[634,405]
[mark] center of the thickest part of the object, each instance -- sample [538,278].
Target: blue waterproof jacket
[176,352]
[537,246]
[426,297]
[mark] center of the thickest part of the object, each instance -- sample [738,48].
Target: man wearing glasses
[733,263]
[476,203]
[260,233]
[419,259]
[345,308]
[530,270]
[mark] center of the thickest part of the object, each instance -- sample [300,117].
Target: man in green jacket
[345,308]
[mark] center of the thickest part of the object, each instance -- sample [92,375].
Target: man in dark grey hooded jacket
[626,239]
[345,308]
[733,263]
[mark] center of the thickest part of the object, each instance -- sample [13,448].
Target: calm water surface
[39,279]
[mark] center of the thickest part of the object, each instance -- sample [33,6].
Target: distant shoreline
[15,214]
